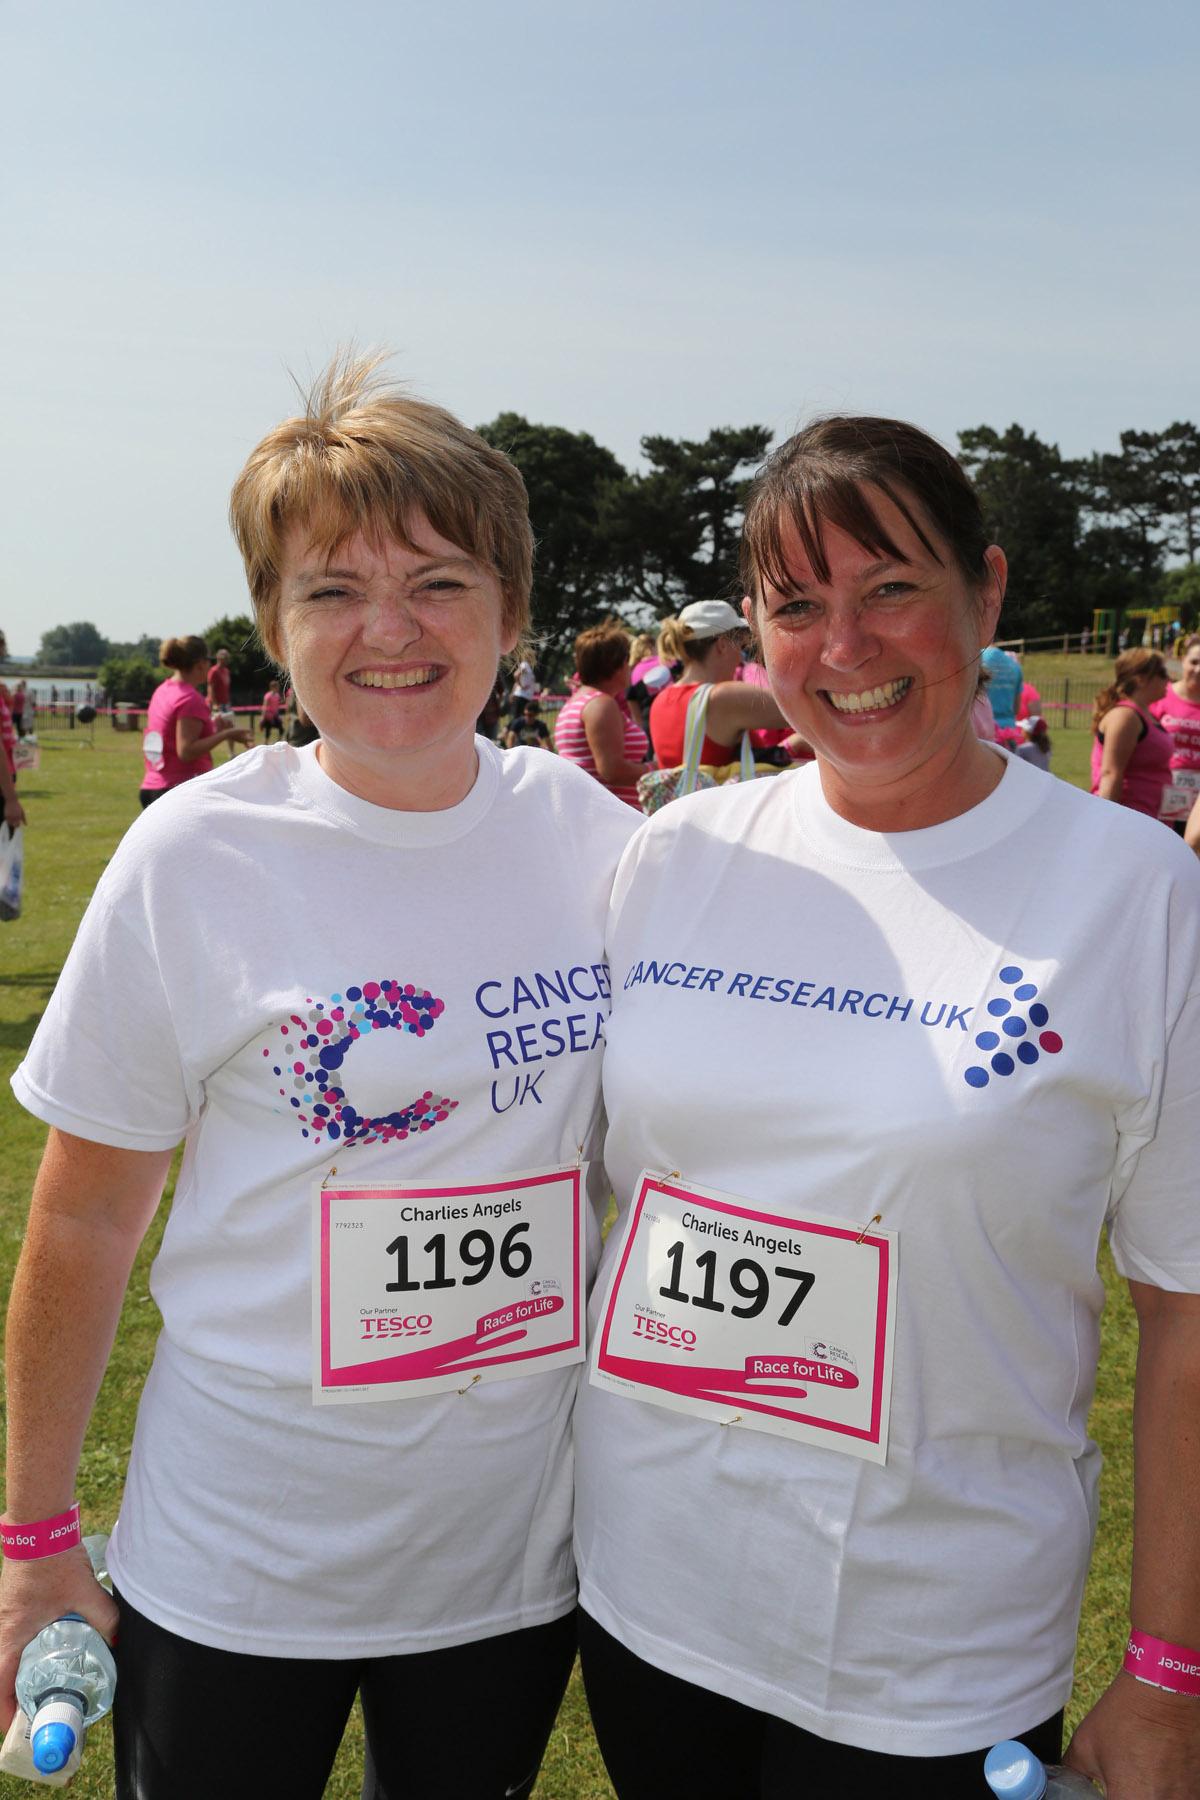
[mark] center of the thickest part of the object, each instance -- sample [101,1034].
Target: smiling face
[393,653]
[877,669]
[1189,681]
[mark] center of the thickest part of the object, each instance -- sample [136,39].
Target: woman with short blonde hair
[300,968]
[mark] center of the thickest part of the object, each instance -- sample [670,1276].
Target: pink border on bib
[722,1386]
[465,1353]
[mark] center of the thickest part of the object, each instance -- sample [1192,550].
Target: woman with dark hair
[527,728]
[1131,753]
[836,1493]
[180,734]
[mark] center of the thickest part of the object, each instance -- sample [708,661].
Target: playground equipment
[1156,623]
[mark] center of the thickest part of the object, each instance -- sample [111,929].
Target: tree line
[1080,533]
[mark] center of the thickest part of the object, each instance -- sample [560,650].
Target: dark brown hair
[824,476]
[600,651]
[183,653]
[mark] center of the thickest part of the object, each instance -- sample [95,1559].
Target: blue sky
[621,218]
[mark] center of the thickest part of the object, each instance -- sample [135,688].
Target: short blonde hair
[365,456]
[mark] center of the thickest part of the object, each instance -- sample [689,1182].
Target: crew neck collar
[1018,794]
[385,825]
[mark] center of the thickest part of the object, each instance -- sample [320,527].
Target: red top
[668,720]
[170,702]
[218,686]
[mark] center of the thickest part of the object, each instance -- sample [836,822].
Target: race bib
[1181,794]
[418,1289]
[752,1318]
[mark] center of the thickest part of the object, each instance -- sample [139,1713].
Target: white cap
[709,618]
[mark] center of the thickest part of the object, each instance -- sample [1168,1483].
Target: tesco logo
[681,1337]
[415,1325]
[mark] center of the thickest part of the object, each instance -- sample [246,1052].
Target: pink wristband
[1162,1665]
[25,1543]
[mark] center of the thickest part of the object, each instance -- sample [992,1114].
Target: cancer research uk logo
[309,1051]
[1020,1033]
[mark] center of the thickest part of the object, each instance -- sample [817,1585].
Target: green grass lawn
[79,803]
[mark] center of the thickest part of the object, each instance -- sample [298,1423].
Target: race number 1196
[476,1253]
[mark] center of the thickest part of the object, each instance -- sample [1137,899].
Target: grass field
[79,803]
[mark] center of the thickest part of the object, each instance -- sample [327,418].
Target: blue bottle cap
[53,1746]
[1015,1772]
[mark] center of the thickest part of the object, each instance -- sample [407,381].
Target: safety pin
[330,1176]
[469,1385]
[875,1219]
[736,1420]
[674,1175]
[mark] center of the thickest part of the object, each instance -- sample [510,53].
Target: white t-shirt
[234,909]
[798,1013]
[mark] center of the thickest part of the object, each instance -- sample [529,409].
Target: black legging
[666,1739]
[470,1723]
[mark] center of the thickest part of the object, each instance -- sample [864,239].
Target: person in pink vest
[1131,754]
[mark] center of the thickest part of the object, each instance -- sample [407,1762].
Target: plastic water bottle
[65,1682]
[1014,1772]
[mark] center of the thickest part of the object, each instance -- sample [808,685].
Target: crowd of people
[869,1056]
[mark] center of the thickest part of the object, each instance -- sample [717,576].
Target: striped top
[570,740]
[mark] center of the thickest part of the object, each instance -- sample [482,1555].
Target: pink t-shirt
[272,704]
[1182,719]
[170,702]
